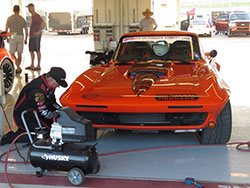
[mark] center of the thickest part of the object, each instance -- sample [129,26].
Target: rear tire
[8,74]
[222,132]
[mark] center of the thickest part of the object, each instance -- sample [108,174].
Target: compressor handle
[25,123]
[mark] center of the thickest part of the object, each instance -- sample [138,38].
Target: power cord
[7,156]
[8,123]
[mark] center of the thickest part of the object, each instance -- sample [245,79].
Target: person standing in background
[147,23]
[36,26]
[16,24]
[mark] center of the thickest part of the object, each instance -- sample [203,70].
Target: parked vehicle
[6,63]
[64,23]
[221,23]
[184,25]
[83,22]
[61,22]
[100,58]
[201,27]
[158,80]
[233,23]
[239,23]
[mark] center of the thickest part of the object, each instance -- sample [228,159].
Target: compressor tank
[70,156]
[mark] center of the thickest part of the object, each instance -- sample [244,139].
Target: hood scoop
[142,82]
[145,74]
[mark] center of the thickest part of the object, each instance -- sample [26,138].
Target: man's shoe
[7,138]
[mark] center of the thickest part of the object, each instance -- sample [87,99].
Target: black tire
[97,168]
[229,34]
[8,74]
[76,176]
[222,132]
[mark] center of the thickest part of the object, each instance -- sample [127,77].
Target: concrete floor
[159,158]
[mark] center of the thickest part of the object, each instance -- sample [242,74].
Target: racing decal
[55,157]
[156,38]
[47,114]
[39,97]
[40,108]
[176,97]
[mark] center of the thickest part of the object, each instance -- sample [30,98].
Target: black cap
[59,75]
[30,5]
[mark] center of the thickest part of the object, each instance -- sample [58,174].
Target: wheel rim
[8,74]
[75,177]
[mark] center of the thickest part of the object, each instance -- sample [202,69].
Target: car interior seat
[180,50]
[140,49]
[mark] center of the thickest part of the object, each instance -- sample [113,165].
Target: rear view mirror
[213,53]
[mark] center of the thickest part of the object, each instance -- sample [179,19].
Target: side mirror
[213,53]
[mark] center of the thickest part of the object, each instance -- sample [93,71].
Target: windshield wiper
[183,62]
[123,63]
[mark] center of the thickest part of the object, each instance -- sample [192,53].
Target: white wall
[166,14]
[5,12]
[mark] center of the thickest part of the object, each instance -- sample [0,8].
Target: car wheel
[8,74]
[229,34]
[222,132]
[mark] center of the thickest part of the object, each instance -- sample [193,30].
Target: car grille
[144,119]
[242,24]
[243,29]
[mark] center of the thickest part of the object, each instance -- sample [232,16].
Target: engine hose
[7,156]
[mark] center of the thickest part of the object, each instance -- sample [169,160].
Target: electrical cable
[8,123]
[14,162]
[7,156]
[238,147]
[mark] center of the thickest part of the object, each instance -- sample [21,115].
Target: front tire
[8,74]
[222,132]
[229,34]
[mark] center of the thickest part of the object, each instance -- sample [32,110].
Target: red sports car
[6,63]
[160,80]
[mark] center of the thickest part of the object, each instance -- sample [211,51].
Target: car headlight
[233,24]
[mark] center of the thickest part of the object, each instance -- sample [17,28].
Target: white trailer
[112,18]
[61,22]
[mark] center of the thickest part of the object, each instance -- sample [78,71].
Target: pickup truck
[234,23]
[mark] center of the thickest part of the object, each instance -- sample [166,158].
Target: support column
[2,102]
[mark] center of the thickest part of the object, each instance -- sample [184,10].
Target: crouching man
[38,95]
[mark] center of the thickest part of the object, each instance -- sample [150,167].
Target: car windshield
[222,17]
[142,48]
[239,17]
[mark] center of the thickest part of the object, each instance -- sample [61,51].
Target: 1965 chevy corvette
[160,80]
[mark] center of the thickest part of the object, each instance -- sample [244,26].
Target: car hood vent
[142,82]
[144,74]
